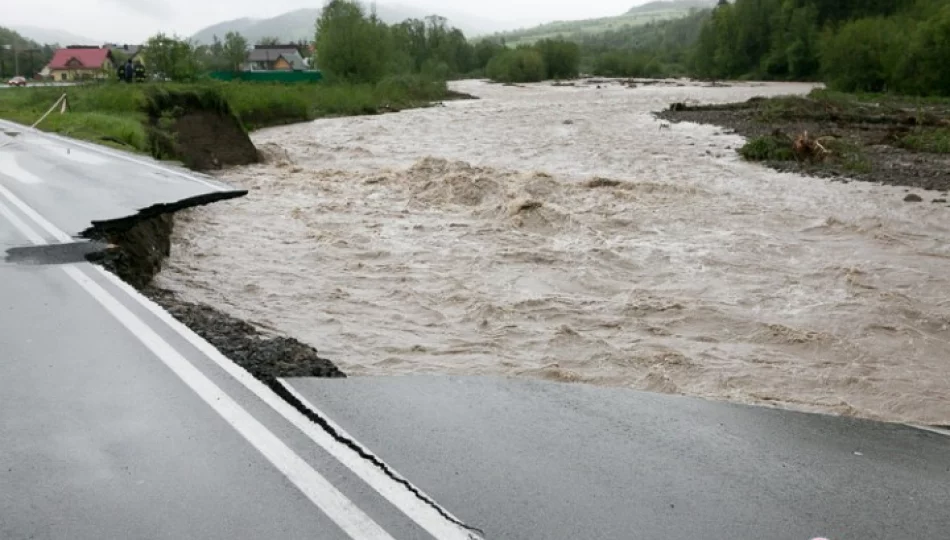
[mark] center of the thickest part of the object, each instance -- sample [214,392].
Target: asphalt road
[528,459]
[117,422]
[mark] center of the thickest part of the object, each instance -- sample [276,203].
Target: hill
[300,24]
[53,36]
[33,56]
[637,16]
[675,5]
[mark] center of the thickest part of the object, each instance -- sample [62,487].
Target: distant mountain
[52,36]
[637,16]
[301,24]
[672,5]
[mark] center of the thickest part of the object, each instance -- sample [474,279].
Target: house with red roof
[77,63]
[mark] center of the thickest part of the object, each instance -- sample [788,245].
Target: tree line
[17,51]
[852,45]
[353,44]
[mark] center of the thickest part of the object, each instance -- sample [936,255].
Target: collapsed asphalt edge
[102,228]
[121,233]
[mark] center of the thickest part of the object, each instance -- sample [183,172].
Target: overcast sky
[134,20]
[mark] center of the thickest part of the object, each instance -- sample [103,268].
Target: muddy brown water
[562,233]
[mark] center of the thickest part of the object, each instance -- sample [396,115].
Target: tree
[924,69]
[172,58]
[562,58]
[350,45]
[519,65]
[269,40]
[234,50]
[18,51]
[861,56]
[484,51]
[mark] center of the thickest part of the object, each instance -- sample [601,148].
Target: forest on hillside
[852,45]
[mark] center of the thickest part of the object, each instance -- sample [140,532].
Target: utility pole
[3,67]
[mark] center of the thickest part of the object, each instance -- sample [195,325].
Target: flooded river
[564,233]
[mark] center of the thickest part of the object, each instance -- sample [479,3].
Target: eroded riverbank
[561,233]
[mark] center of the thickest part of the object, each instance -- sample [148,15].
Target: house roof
[129,50]
[269,55]
[87,58]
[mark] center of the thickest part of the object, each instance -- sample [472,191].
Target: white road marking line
[318,489]
[939,431]
[423,514]
[417,510]
[114,154]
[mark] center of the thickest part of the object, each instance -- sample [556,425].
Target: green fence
[269,76]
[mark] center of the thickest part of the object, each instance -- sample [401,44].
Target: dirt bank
[198,128]
[865,140]
[136,247]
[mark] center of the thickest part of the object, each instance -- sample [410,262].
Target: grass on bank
[916,124]
[114,113]
[779,147]
[823,104]
[935,141]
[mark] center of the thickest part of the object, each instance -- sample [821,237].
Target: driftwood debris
[807,148]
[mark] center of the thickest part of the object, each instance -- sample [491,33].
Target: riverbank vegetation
[114,114]
[894,46]
[897,46]
[886,138]
[372,68]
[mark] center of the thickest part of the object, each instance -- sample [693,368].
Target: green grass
[124,131]
[848,155]
[105,114]
[841,153]
[768,148]
[936,141]
[887,100]
[114,114]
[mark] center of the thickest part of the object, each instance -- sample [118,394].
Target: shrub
[404,89]
[518,65]
[626,64]
[562,58]
[768,148]
[862,56]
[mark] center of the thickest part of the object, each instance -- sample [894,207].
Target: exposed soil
[873,131]
[208,140]
[138,244]
[265,357]
[197,128]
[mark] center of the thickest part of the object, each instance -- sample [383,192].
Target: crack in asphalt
[287,396]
